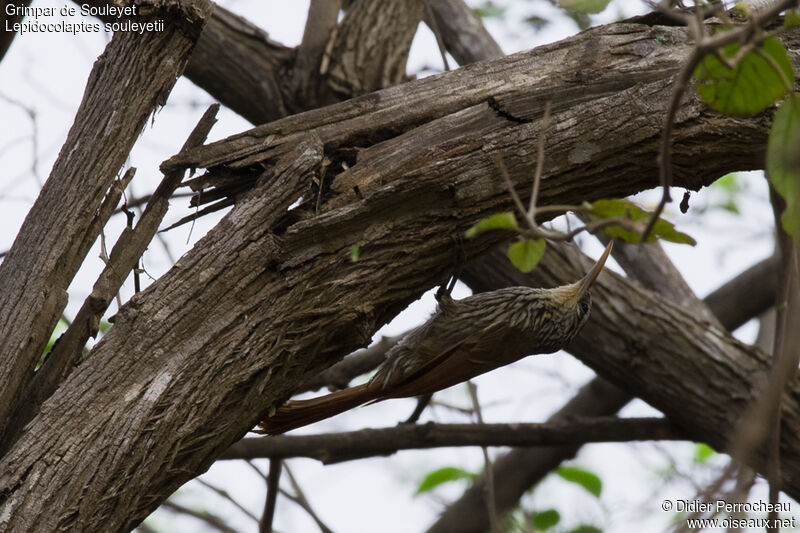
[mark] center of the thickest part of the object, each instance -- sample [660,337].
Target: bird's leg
[446,288]
[422,403]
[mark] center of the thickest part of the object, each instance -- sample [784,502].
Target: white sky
[46,74]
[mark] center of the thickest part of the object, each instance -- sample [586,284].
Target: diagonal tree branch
[68,350]
[462,31]
[139,70]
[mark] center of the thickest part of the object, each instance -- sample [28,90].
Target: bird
[462,339]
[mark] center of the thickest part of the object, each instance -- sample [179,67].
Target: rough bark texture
[269,298]
[262,80]
[131,244]
[360,61]
[462,31]
[132,77]
[237,63]
[603,82]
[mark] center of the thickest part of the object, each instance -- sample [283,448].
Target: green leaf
[489,10]
[702,453]
[586,529]
[355,251]
[505,220]
[752,86]
[544,520]
[584,6]
[104,326]
[525,255]
[441,476]
[729,182]
[792,18]
[613,208]
[783,161]
[586,479]
[61,327]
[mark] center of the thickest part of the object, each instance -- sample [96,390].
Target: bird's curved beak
[591,276]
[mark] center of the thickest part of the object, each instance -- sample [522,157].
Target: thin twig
[665,152]
[537,176]
[494,522]
[224,494]
[303,502]
[535,231]
[252,465]
[501,166]
[210,519]
[273,483]
[431,19]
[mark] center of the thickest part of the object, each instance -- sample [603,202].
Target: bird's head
[575,298]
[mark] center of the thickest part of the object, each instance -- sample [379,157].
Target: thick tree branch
[337,447]
[462,31]
[237,63]
[68,350]
[138,70]
[371,46]
[753,292]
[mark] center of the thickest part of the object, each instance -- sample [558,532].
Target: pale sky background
[42,81]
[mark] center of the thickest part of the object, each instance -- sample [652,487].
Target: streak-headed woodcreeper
[461,340]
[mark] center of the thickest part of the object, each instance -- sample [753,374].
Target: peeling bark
[130,80]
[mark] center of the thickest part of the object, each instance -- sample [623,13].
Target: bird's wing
[459,362]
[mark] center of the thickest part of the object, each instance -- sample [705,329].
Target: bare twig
[537,176]
[211,519]
[224,494]
[300,499]
[786,347]
[257,470]
[494,522]
[665,153]
[273,484]
[535,231]
[432,24]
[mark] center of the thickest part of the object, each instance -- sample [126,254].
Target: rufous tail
[299,413]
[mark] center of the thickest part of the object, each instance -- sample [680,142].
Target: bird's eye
[584,307]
